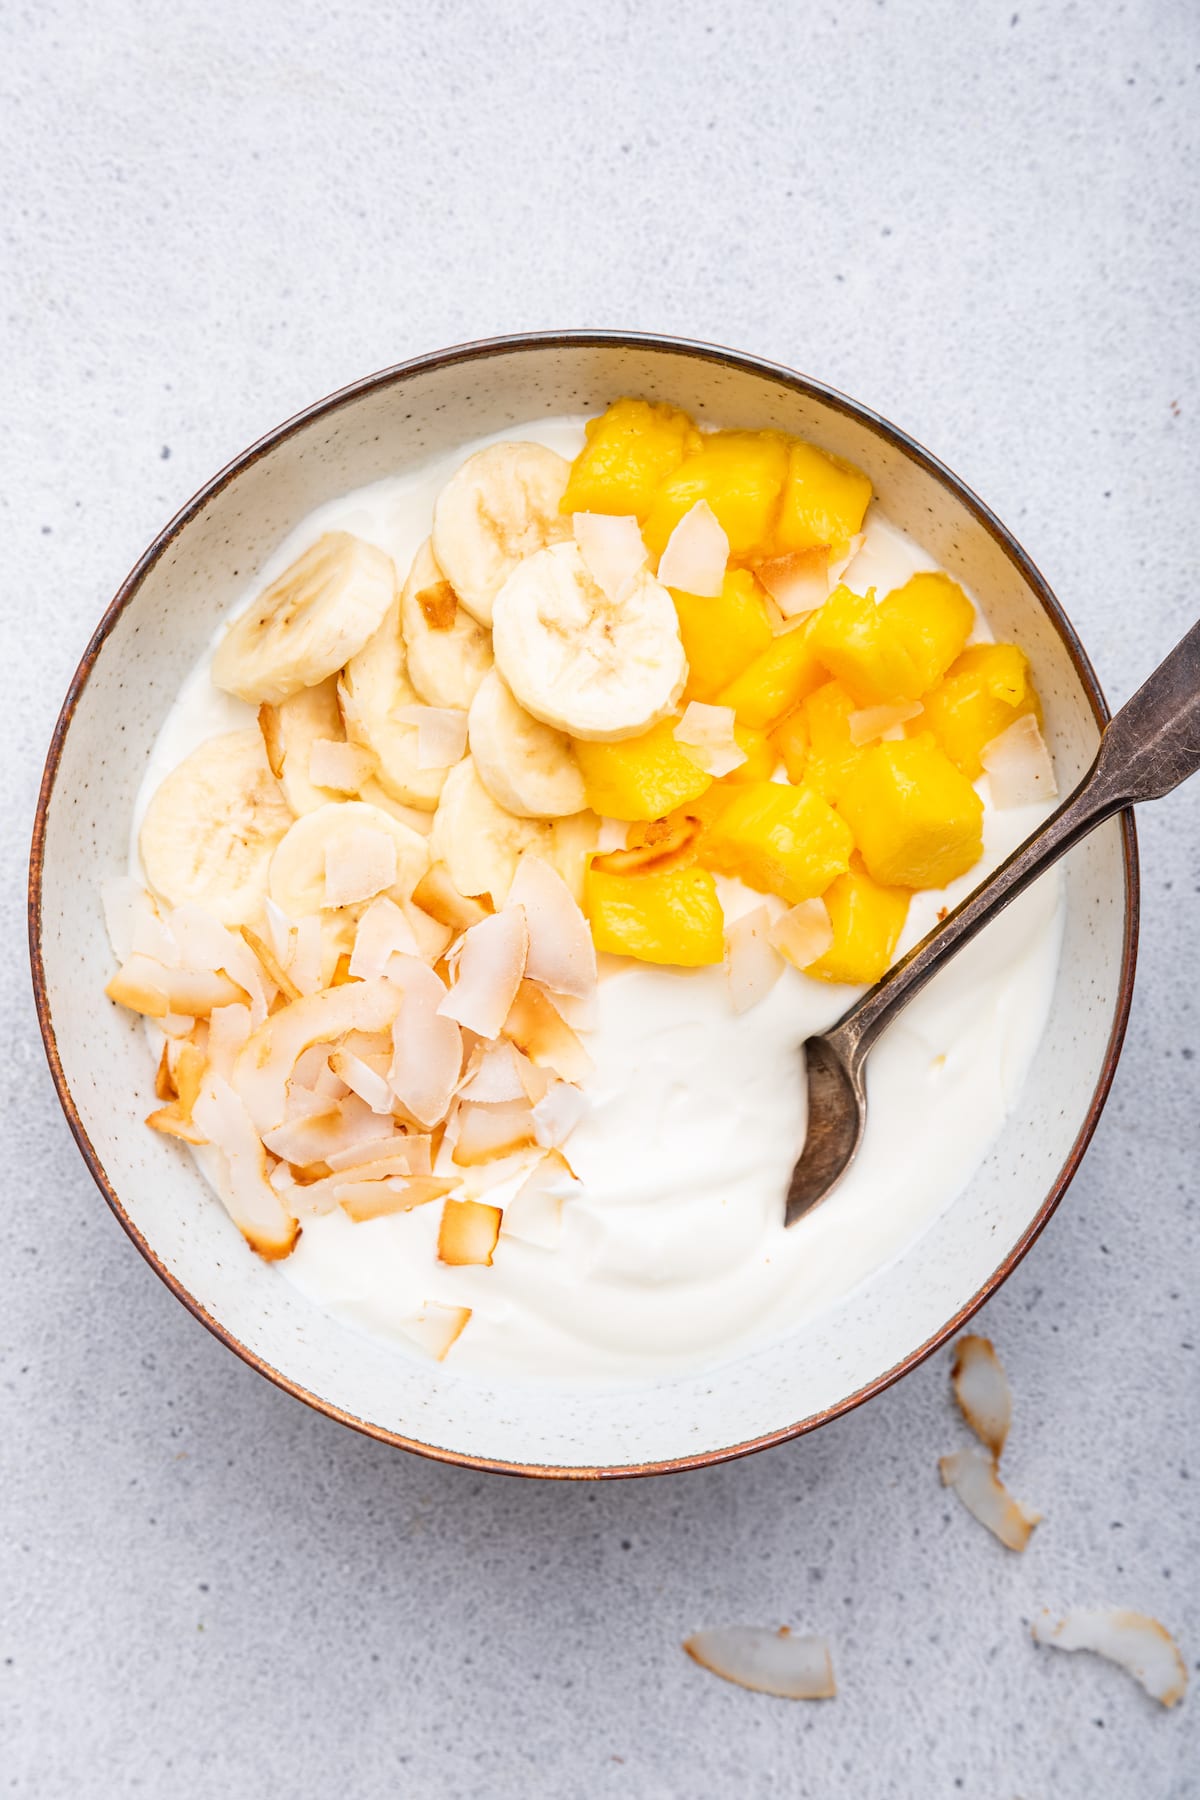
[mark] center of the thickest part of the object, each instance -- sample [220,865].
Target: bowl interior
[170,608]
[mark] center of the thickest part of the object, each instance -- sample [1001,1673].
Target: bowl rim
[483,349]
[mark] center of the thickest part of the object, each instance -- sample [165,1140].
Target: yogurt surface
[673,1255]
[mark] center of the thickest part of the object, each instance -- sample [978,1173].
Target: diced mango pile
[861,723]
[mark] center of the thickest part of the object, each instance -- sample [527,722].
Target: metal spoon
[1151,745]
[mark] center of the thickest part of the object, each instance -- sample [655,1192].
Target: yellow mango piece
[761,756]
[722,633]
[933,618]
[789,740]
[667,915]
[741,475]
[824,500]
[867,921]
[981,696]
[778,839]
[895,650]
[640,777]
[832,752]
[916,818]
[776,681]
[630,450]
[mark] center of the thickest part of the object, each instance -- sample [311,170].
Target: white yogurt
[674,1254]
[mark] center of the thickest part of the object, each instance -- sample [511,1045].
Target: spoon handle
[1151,745]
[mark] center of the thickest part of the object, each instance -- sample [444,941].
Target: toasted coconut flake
[1138,1643]
[140,985]
[427,1047]
[486,1133]
[280,931]
[706,736]
[767,1662]
[325,1188]
[409,1151]
[188,1063]
[334,763]
[557,1113]
[881,721]
[752,963]
[266,1064]
[362,1080]
[982,1391]
[436,1328]
[441,734]
[468,1232]
[495,1074]
[437,895]
[308,955]
[799,582]
[177,1025]
[132,921]
[536,1026]
[489,970]
[439,605]
[1018,765]
[660,844]
[803,933]
[207,949]
[362,1200]
[172,1121]
[696,553]
[562,955]
[228,1029]
[197,992]
[383,932]
[358,866]
[612,548]
[272,968]
[534,1214]
[840,561]
[255,1207]
[972,1474]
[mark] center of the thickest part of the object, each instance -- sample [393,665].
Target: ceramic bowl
[149,638]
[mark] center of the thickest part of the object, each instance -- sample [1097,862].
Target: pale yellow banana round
[527,767]
[480,842]
[449,652]
[595,668]
[297,876]
[373,687]
[500,507]
[289,732]
[212,827]
[309,623]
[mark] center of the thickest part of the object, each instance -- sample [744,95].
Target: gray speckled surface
[982,222]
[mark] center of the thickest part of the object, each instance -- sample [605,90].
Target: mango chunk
[778,839]
[669,915]
[867,921]
[897,649]
[640,777]
[760,755]
[741,475]
[789,740]
[776,681]
[722,634]
[823,502]
[630,451]
[916,818]
[832,751]
[985,691]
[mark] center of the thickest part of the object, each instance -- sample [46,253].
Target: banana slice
[310,622]
[289,732]
[416,820]
[501,506]
[212,827]
[587,665]
[373,687]
[298,867]
[527,768]
[480,843]
[449,652]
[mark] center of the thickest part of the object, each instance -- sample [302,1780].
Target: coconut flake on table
[1139,1644]
[557,1113]
[441,734]
[358,866]
[973,1475]
[982,1391]
[705,733]
[335,763]
[696,554]
[427,1047]
[1018,765]
[799,582]
[803,933]
[561,953]
[767,1662]
[487,974]
[383,931]
[752,963]
[436,1328]
[612,549]
[878,721]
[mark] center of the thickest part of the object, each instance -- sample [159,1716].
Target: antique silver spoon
[1151,745]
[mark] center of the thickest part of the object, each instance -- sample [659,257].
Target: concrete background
[982,220]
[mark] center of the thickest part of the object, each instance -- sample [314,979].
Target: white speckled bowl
[148,640]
